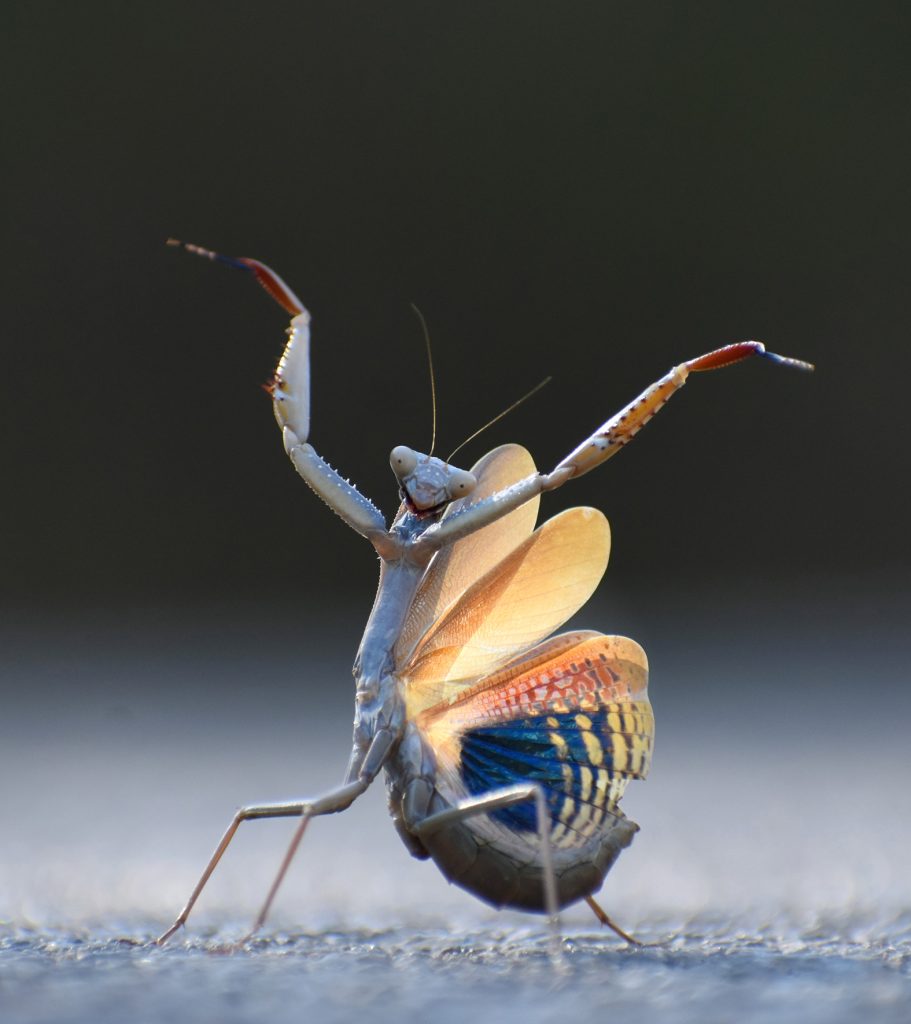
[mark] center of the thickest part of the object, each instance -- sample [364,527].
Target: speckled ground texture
[705,970]
[769,881]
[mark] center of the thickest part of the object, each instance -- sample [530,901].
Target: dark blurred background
[593,191]
[590,190]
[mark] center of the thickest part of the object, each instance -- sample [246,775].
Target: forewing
[572,714]
[522,599]
[457,566]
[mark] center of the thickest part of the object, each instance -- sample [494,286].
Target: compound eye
[403,461]
[461,483]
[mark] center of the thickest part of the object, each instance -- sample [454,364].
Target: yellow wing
[515,604]
[456,567]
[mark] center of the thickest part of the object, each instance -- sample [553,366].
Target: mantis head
[428,483]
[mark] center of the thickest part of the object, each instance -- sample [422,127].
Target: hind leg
[605,920]
[493,801]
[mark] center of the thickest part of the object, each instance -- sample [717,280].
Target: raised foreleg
[606,441]
[290,391]
[623,426]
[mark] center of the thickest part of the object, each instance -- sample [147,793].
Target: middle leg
[336,800]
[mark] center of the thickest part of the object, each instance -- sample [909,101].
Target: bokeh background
[592,191]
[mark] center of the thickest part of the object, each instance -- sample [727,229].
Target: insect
[506,750]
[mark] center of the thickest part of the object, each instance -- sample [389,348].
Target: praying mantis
[506,750]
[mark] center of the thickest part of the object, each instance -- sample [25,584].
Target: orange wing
[526,596]
[456,567]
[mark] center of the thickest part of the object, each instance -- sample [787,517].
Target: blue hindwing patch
[553,750]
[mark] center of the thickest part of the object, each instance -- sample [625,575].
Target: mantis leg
[606,441]
[623,426]
[605,920]
[493,801]
[336,800]
[290,391]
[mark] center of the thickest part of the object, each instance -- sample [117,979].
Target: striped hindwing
[572,714]
[528,594]
[457,566]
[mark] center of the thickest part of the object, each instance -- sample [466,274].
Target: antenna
[500,415]
[433,384]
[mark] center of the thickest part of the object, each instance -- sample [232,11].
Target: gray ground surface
[770,872]
[704,971]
